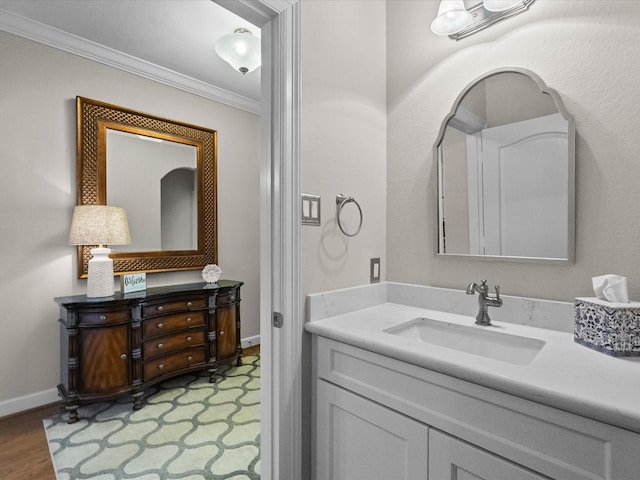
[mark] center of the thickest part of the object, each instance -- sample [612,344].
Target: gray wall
[344,140]
[585,50]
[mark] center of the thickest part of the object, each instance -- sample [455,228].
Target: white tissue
[612,288]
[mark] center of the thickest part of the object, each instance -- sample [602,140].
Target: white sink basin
[483,341]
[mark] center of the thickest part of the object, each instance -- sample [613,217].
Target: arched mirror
[506,168]
[163,173]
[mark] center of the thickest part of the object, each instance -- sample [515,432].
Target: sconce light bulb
[452,18]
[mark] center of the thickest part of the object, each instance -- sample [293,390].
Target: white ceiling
[172,39]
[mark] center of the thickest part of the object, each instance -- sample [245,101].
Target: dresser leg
[212,375]
[137,400]
[73,412]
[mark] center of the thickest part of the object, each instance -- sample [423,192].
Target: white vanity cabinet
[453,459]
[361,440]
[378,418]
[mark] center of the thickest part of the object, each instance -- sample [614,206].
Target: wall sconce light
[457,22]
[240,49]
[99,225]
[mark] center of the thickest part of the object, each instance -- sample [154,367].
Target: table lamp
[99,225]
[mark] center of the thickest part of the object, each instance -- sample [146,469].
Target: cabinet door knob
[188,339]
[189,304]
[161,325]
[161,366]
[123,356]
[221,333]
[161,345]
[160,308]
[189,358]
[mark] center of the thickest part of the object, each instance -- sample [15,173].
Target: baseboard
[250,341]
[27,402]
[45,397]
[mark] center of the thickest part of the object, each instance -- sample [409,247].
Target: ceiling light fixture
[240,49]
[455,20]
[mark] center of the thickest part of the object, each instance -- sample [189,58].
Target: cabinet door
[226,318]
[453,459]
[359,439]
[104,362]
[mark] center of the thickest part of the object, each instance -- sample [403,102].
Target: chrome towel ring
[341,201]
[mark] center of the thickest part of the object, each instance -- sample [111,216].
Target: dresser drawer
[170,343]
[104,317]
[166,364]
[175,306]
[228,296]
[164,324]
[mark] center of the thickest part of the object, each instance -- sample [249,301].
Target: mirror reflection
[505,171]
[155,181]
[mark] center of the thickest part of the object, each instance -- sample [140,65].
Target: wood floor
[24,452]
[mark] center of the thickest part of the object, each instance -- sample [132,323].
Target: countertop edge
[626,420]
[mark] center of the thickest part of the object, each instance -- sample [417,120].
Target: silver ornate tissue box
[611,328]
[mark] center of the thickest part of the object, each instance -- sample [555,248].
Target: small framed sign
[134,282]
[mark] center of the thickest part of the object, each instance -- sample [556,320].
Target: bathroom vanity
[393,400]
[125,343]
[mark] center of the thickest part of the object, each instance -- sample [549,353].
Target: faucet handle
[497,287]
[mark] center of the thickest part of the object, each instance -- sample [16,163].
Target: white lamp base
[100,281]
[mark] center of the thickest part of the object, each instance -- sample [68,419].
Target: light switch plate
[375,270]
[310,209]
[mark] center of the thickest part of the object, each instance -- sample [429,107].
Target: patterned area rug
[189,429]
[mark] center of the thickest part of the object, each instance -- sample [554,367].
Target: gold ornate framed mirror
[162,172]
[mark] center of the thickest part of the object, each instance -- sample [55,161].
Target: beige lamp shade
[99,225]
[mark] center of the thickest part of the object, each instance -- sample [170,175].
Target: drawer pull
[160,308]
[232,297]
[161,366]
[188,339]
[221,333]
[189,358]
[103,318]
[161,345]
[123,356]
[161,325]
[189,304]
[188,319]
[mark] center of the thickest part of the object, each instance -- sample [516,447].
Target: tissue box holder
[611,328]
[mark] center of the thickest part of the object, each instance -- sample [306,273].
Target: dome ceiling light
[240,49]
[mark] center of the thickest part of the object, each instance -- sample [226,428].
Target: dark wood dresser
[125,343]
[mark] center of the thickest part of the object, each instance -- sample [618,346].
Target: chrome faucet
[484,301]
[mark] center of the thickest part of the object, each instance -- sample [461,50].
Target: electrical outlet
[375,270]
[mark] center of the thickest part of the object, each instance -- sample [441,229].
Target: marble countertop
[563,374]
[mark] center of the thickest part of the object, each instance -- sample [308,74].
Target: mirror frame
[93,119]
[544,89]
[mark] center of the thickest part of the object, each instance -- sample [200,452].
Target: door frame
[280,348]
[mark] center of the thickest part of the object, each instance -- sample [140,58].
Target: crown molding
[53,37]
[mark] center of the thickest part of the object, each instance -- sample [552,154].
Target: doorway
[281,347]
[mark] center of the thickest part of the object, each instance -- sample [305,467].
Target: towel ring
[341,201]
